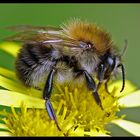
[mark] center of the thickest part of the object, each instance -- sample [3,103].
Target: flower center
[76,109]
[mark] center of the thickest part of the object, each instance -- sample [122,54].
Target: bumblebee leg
[51,112]
[101,74]
[47,94]
[48,86]
[106,86]
[99,84]
[92,86]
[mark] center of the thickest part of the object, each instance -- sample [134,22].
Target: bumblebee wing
[21,28]
[43,35]
[32,33]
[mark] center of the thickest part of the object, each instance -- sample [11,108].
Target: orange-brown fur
[88,32]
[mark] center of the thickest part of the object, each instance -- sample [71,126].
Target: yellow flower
[78,114]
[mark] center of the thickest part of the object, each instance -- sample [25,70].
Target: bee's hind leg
[47,94]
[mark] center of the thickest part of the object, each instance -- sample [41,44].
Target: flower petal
[3,126]
[11,85]
[130,100]
[129,87]
[131,127]
[7,73]
[96,134]
[17,87]
[10,98]
[10,47]
[5,133]
[2,132]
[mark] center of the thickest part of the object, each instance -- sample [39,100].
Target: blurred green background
[121,20]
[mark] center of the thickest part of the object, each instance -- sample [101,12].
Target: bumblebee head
[109,65]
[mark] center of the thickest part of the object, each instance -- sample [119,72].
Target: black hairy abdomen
[30,57]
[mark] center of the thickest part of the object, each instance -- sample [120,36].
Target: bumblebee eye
[111,62]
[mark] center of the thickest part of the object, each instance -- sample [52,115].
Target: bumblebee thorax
[88,32]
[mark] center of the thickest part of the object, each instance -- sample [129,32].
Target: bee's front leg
[91,86]
[100,75]
[47,94]
[106,85]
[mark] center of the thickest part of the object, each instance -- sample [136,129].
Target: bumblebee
[75,50]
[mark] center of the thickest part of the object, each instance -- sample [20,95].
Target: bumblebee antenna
[125,47]
[122,67]
[123,76]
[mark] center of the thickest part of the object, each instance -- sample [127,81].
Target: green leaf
[130,100]
[10,98]
[131,127]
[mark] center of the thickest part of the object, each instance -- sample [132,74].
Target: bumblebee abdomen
[33,63]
